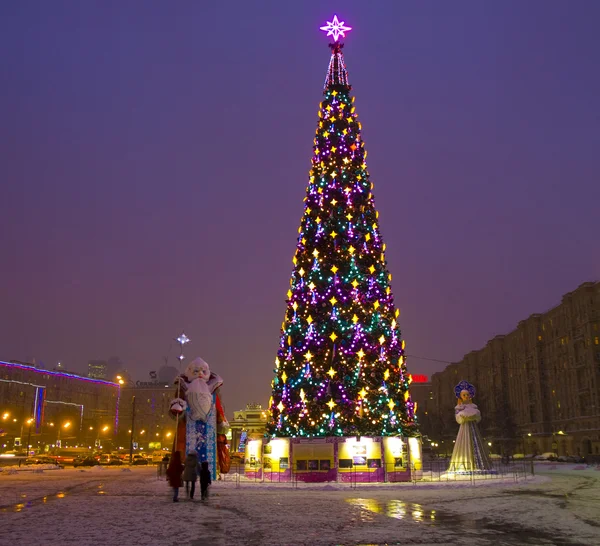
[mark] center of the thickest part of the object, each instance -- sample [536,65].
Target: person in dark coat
[174,474]
[204,479]
[190,473]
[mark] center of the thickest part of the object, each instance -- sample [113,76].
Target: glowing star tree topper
[336,28]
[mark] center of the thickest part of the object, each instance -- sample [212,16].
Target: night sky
[154,157]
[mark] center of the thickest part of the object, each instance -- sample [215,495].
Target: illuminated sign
[419,378]
[153,384]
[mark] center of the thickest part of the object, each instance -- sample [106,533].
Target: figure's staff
[182,340]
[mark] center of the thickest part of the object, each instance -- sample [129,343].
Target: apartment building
[538,387]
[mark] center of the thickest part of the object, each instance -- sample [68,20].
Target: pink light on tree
[336,28]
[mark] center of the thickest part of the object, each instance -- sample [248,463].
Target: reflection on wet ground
[489,530]
[34,502]
[394,509]
[20,506]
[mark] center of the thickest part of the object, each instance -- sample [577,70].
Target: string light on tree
[340,368]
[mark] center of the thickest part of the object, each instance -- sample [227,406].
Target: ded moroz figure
[201,421]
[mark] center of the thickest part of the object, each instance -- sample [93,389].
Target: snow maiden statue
[201,422]
[470,454]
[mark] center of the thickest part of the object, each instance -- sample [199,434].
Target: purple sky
[154,157]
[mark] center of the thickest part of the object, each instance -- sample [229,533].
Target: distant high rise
[114,367]
[97,369]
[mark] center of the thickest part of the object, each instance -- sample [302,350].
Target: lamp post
[99,441]
[132,429]
[29,422]
[65,426]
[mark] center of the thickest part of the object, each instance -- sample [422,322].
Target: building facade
[421,393]
[53,407]
[148,416]
[538,387]
[97,369]
[249,423]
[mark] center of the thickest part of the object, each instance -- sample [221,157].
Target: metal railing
[427,472]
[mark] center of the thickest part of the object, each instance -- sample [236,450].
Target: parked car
[85,461]
[139,460]
[115,461]
[120,455]
[42,459]
[109,460]
[548,456]
[157,456]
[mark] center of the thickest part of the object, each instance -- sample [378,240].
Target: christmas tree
[340,367]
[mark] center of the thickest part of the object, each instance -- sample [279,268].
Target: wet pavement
[561,510]
[486,528]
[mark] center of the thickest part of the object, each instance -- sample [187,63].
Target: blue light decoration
[38,407]
[59,374]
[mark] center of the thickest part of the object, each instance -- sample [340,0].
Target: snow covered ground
[123,506]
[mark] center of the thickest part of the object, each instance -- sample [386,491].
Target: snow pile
[29,468]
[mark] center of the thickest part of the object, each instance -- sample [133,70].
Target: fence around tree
[428,472]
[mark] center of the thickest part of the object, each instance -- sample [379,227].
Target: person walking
[205,480]
[164,465]
[190,473]
[174,474]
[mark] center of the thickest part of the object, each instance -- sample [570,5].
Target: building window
[596,341]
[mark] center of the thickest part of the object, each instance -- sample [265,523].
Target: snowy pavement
[122,506]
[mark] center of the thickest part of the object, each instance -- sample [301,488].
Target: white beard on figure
[199,399]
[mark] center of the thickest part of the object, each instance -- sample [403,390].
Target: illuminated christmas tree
[340,368]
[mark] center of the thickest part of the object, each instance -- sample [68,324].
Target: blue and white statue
[470,454]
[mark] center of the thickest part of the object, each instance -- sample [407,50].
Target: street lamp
[29,422]
[65,426]
[98,441]
[132,429]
